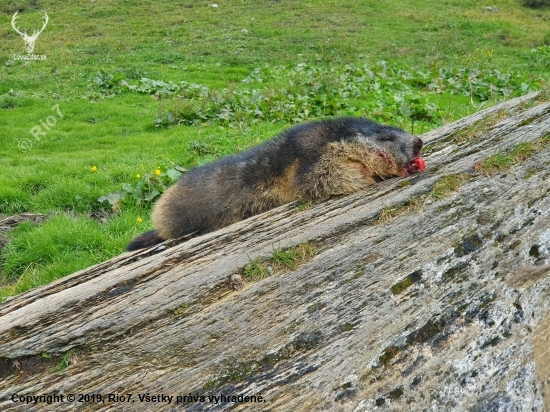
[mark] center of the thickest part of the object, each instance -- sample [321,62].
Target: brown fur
[314,162]
[346,167]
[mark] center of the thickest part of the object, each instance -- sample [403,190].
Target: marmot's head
[395,143]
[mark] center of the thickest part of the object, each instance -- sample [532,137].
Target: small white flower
[244,31]
[215,5]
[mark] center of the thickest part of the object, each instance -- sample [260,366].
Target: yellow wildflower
[138,176]
[157,172]
[94,168]
[139,220]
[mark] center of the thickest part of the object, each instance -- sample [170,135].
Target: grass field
[132,89]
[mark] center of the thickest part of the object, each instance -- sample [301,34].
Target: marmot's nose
[417,145]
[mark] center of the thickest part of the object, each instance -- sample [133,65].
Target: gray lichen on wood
[441,306]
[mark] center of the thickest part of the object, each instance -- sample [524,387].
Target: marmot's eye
[386,138]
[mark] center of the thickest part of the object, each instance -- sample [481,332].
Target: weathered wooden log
[423,293]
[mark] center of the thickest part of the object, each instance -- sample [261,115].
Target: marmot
[312,161]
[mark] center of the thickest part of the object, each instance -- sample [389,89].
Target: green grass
[441,189]
[282,259]
[447,185]
[503,161]
[441,61]
[65,361]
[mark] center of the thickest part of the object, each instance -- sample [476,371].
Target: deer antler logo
[29,40]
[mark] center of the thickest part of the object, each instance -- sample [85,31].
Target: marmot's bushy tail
[147,239]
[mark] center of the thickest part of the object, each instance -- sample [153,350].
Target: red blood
[420,163]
